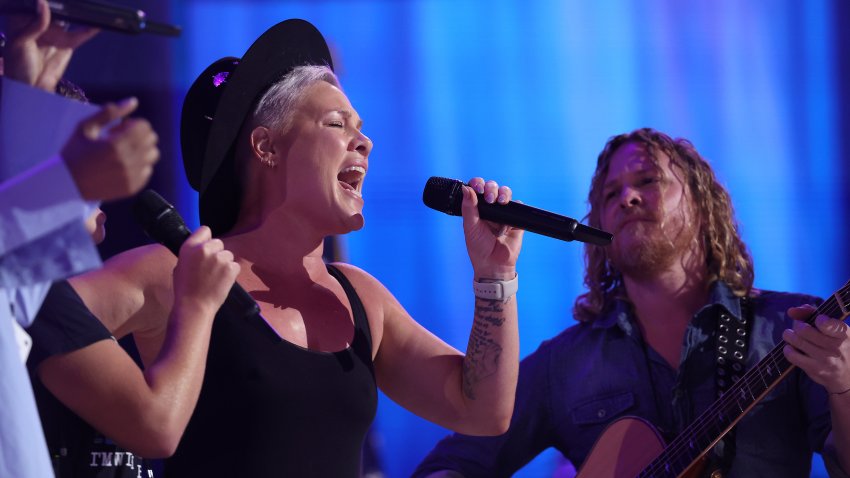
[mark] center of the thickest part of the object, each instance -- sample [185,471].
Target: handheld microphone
[162,223]
[95,13]
[445,195]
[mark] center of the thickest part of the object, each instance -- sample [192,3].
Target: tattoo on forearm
[483,351]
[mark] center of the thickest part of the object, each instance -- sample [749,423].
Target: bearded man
[669,323]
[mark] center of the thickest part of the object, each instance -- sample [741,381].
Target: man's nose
[629,197]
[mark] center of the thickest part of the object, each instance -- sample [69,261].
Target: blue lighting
[527,93]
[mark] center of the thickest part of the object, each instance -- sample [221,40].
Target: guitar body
[624,449]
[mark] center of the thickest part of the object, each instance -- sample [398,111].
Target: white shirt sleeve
[42,230]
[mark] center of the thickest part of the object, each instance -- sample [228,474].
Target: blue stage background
[527,93]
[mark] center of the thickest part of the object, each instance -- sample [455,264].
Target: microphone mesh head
[444,195]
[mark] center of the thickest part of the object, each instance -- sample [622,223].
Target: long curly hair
[727,257]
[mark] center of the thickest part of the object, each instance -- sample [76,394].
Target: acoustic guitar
[631,447]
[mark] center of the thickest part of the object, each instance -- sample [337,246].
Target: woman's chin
[355,222]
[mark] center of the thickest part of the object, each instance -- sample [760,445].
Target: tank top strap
[361,323]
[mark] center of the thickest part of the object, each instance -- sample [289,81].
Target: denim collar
[620,314]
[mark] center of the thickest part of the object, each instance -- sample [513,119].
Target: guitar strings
[729,402]
[684,439]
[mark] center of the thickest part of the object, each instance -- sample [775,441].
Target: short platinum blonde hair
[277,105]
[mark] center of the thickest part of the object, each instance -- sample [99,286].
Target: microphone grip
[239,302]
[540,221]
[512,215]
[528,218]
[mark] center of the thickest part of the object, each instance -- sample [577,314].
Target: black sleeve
[501,456]
[63,324]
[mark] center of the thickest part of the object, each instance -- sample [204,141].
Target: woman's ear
[262,146]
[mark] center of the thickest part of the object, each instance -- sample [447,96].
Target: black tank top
[269,408]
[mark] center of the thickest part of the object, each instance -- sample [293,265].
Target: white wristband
[496,290]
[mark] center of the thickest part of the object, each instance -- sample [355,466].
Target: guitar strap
[733,339]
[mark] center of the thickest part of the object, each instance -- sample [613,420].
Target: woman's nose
[361,143]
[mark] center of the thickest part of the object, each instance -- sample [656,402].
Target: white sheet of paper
[34,125]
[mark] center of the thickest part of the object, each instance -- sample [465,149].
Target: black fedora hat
[220,100]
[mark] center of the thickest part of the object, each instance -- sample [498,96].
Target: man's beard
[646,248]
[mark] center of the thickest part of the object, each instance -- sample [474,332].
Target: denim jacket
[591,374]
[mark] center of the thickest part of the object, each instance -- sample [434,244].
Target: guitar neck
[701,435]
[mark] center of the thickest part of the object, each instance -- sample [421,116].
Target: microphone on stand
[162,223]
[445,195]
[95,13]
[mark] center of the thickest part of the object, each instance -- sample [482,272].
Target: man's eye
[336,124]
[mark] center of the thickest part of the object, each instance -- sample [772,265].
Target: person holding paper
[38,244]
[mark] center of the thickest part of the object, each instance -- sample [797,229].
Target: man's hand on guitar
[822,349]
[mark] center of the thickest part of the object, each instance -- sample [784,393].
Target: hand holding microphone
[204,274]
[94,13]
[162,223]
[37,51]
[493,248]
[446,195]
